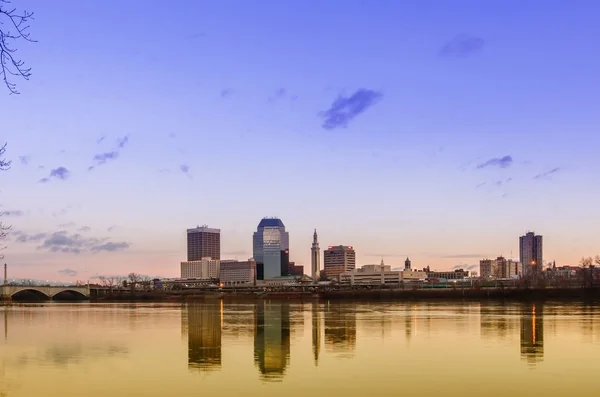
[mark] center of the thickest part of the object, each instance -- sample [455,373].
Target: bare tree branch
[14,26]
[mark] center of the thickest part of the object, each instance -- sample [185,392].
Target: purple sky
[434,129]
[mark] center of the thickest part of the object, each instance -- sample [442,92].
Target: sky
[436,130]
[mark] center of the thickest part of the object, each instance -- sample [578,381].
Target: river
[283,349]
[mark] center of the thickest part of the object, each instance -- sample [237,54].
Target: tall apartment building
[204,268]
[499,268]
[530,254]
[338,259]
[203,242]
[268,243]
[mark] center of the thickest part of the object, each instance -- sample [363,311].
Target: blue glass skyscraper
[268,241]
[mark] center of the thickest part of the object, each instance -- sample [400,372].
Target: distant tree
[14,26]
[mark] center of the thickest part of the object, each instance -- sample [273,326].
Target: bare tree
[14,26]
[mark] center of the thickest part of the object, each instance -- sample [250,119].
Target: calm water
[293,349]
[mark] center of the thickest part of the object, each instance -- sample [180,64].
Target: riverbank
[445,294]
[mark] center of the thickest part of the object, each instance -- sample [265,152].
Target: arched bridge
[49,292]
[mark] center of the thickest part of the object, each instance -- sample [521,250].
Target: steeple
[407,264]
[315,258]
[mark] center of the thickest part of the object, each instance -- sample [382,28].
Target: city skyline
[437,133]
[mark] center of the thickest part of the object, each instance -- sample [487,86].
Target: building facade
[238,272]
[380,275]
[338,259]
[203,268]
[499,268]
[268,242]
[530,254]
[315,258]
[203,242]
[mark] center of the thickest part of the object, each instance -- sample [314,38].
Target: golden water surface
[283,349]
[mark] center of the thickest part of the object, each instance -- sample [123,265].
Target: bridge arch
[29,292]
[67,293]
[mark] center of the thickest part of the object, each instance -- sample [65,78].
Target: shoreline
[374,295]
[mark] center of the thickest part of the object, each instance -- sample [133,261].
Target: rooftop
[271,222]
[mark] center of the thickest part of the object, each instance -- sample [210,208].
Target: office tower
[315,258]
[338,259]
[269,240]
[238,272]
[530,250]
[285,263]
[203,242]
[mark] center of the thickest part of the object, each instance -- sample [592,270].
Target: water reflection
[316,332]
[340,328]
[203,324]
[532,333]
[272,338]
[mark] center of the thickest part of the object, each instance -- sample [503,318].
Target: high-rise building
[315,258]
[407,265]
[203,242]
[338,259]
[238,272]
[268,242]
[530,250]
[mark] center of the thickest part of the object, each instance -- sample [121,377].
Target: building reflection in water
[340,328]
[498,321]
[316,332]
[272,339]
[532,333]
[203,323]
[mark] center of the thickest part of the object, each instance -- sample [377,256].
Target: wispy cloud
[465,267]
[24,159]
[226,92]
[103,158]
[185,169]
[67,224]
[279,93]
[123,141]
[68,272]
[101,139]
[84,229]
[12,213]
[547,174]
[60,173]
[63,241]
[110,229]
[501,162]
[344,109]
[503,182]
[463,256]
[462,46]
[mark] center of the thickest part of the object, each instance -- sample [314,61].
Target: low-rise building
[379,275]
[278,281]
[413,275]
[205,268]
[458,274]
[238,272]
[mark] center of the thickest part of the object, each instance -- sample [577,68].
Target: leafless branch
[14,26]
